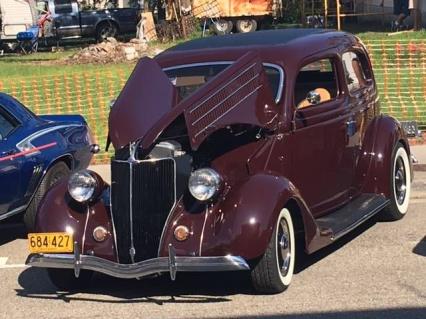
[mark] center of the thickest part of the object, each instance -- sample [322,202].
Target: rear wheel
[247,25]
[400,180]
[64,279]
[106,30]
[53,175]
[274,271]
[222,26]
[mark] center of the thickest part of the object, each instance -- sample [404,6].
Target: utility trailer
[244,15]
[16,16]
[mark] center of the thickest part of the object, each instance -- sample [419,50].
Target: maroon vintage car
[228,151]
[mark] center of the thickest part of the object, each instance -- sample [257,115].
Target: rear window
[7,124]
[188,79]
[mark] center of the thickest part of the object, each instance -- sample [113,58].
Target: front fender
[58,212]
[374,166]
[241,223]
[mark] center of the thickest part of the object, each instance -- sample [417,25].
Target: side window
[357,72]
[316,83]
[63,6]
[7,125]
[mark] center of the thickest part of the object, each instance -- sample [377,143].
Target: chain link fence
[400,70]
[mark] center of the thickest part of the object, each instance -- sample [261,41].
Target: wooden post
[338,15]
[417,15]
[326,13]
[303,13]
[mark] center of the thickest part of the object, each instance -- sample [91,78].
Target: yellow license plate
[50,243]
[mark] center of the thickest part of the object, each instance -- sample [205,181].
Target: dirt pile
[110,51]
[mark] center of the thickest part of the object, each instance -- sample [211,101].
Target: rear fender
[374,166]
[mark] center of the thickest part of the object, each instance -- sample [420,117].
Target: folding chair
[28,40]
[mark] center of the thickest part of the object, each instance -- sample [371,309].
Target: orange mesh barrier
[399,66]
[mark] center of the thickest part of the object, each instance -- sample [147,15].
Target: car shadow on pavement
[306,261]
[420,249]
[9,231]
[188,288]
[391,313]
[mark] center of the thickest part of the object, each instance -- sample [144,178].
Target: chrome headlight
[204,183]
[82,186]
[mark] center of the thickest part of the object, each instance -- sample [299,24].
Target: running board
[350,216]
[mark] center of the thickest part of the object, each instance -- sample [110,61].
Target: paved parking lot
[378,271]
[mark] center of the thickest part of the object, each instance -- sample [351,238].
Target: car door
[66,18]
[9,166]
[318,146]
[362,94]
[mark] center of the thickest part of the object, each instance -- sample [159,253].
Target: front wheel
[274,271]
[54,175]
[65,280]
[400,184]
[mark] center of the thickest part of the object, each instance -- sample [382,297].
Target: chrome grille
[142,195]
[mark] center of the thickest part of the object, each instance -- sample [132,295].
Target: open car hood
[149,103]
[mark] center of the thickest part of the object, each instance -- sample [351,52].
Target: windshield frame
[278,94]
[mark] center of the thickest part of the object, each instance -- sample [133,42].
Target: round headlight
[204,183]
[82,186]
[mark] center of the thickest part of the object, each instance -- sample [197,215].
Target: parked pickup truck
[69,21]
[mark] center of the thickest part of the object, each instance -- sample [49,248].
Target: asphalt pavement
[377,271]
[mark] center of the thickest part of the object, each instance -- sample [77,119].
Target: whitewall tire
[400,180]
[274,271]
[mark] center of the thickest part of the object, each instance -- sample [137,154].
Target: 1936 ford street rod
[229,150]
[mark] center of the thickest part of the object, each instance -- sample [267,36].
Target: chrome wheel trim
[400,181]
[285,247]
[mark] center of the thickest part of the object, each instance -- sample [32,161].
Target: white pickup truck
[16,16]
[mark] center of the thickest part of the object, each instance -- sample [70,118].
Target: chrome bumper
[170,264]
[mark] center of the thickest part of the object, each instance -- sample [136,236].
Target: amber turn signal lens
[100,233]
[181,233]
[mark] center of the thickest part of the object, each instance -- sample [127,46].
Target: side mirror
[313,97]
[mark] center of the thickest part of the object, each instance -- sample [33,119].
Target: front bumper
[170,264]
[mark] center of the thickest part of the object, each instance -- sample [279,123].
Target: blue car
[35,153]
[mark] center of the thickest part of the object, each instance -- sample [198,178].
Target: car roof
[290,45]
[258,38]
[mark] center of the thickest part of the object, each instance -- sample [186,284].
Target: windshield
[189,78]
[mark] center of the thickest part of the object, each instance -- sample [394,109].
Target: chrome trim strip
[132,250]
[281,83]
[13,212]
[224,86]
[272,65]
[229,110]
[25,143]
[140,269]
